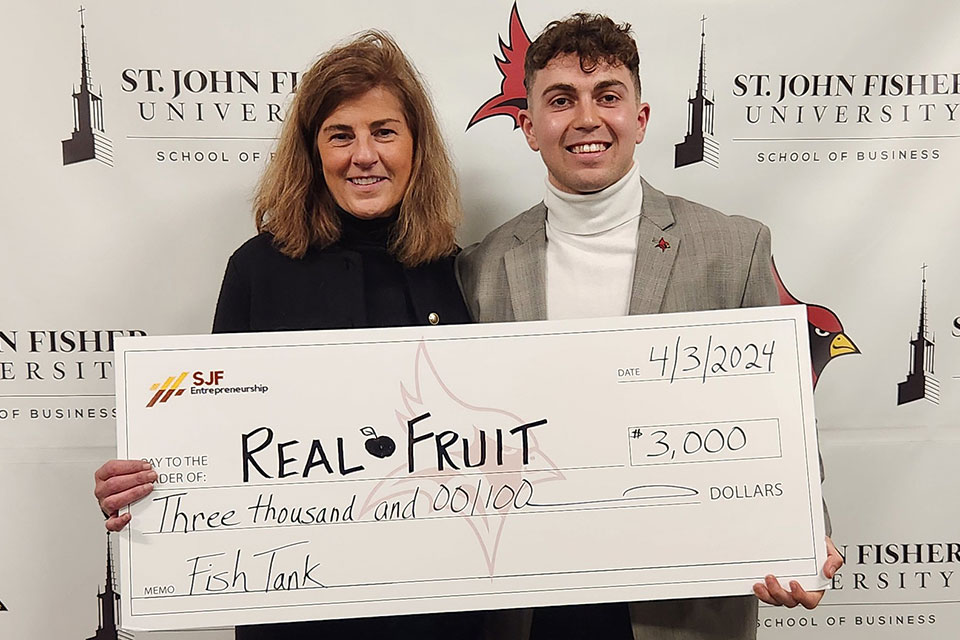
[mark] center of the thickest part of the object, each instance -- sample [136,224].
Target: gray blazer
[707,260]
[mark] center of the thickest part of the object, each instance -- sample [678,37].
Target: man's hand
[119,483]
[771,592]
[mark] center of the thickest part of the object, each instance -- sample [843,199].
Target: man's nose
[587,115]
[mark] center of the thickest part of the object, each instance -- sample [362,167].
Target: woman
[356,216]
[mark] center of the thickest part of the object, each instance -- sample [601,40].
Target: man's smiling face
[585,125]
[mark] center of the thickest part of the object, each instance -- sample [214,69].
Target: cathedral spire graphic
[88,141]
[109,605]
[920,383]
[699,145]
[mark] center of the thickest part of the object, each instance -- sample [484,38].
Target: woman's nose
[365,153]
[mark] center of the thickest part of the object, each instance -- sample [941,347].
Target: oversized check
[355,473]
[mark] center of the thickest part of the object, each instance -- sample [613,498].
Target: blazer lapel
[526,266]
[656,251]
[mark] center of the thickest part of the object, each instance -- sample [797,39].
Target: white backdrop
[140,246]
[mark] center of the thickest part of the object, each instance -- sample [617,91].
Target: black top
[353,283]
[609,621]
[264,290]
[385,289]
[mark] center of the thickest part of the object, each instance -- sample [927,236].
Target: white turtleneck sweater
[591,249]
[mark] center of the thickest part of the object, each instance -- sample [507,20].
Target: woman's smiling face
[366,149]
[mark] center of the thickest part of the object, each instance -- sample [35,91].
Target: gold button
[433,318]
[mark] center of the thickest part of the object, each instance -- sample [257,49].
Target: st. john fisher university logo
[168,389]
[513,96]
[920,383]
[88,141]
[699,145]
[109,627]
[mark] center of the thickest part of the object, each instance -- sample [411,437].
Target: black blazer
[264,290]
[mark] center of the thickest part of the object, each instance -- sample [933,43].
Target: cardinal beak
[842,345]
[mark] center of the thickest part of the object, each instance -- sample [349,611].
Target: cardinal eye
[820,332]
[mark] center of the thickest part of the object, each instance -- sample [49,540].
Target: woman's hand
[119,483]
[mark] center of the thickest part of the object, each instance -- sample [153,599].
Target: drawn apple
[380,447]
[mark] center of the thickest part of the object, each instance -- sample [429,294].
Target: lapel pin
[662,244]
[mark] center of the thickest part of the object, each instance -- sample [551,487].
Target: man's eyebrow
[559,86]
[569,88]
[609,84]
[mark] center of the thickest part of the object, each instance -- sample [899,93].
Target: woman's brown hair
[292,200]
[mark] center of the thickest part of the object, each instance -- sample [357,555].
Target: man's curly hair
[594,38]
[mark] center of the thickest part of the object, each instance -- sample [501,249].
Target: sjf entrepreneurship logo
[201,383]
[167,390]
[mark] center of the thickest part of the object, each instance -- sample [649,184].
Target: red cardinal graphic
[827,339]
[488,525]
[512,97]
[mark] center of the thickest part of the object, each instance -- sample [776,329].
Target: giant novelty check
[357,473]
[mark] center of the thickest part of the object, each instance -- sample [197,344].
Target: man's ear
[643,118]
[526,125]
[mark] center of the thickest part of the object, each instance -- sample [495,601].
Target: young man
[605,243]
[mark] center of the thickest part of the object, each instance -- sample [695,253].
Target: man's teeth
[588,148]
[364,181]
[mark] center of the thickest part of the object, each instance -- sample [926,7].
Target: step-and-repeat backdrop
[133,134]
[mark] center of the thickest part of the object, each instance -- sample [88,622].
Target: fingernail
[147,466]
[151,476]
